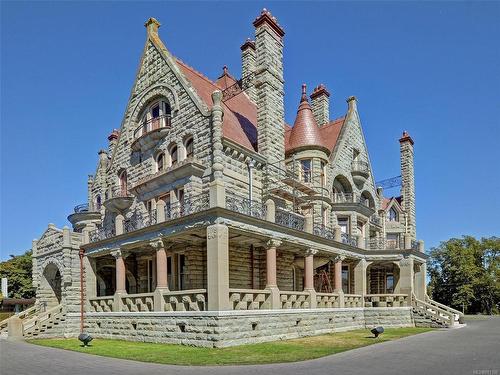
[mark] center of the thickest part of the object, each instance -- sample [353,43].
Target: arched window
[123,183]
[98,202]
[155,116]
[173,155]
[189,147]
[392,215]
[160,162]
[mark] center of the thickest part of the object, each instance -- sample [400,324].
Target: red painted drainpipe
[81,253]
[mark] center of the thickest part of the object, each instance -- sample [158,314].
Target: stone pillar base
[312,298]
[158,298]
[15,328]
[117,303]
[275,297]
[217,194]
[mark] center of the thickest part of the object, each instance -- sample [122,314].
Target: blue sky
[430,68]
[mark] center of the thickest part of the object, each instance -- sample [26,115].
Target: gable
[51,240]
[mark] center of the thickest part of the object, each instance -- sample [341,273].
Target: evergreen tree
[18,270]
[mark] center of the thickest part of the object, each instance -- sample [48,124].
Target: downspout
[81,253]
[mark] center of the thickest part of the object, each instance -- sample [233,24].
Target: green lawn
[4,315]
[278,351]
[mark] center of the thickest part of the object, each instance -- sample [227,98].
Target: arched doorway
[51,285]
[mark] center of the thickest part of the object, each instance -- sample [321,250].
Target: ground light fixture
[377,331]
[85,338]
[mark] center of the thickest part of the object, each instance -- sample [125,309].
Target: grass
[4,315]
[271,352]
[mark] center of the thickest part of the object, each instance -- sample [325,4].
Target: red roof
[387,201]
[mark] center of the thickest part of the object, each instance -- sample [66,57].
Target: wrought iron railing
[163,121]
[323,231]
[349,240]
[100,234]
[350,198]
[289,219]
[246,206]
[139,220]
[374,219]
[360,166]
[81,208]
[187,206]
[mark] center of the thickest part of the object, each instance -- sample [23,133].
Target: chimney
[269,87]
[112,138]
[248,58]
[320,103]
[408,183]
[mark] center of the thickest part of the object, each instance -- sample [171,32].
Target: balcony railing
[246,206]
[187,206]
[289,219]
[163,121]
[81,208]
[350,198]
[323,231]
[100,234]
[349,240]
[374,219]
[140,220]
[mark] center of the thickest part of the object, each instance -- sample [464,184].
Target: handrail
[444,307]
[22,315]
[443,315]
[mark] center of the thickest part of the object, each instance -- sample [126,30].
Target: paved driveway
[473,350]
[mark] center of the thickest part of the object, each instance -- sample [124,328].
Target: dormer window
[392,215]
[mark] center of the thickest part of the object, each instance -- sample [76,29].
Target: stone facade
[211,222]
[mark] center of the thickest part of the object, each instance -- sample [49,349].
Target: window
[150,275]
[123,184]
[345,279]
[173,155]
[323,173]
[180,195]
[160,162]
[155,116]
[306,170]
[389,283]
[392,215]
[189,147]
[98,203]
[392,240]
[343,224]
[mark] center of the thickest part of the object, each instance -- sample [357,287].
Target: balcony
[155,182]
[120,202]
[352,202]
[360,171]
[376,221]
[246,206]
[148,133]
[82,216]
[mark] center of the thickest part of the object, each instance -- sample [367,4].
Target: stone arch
[341,188]
[106,281]
[367,199]
[51,284]
[382,277]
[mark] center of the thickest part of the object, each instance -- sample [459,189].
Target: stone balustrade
[295,300]
[101,304]
[185,300]
[137,302]
[327,300]
[386,300]
[250,299]
[353,300]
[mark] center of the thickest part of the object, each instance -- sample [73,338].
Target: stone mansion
[210,221]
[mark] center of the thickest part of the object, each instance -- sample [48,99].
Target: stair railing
[22,315]
[444,316]
[458,314]
[36,323]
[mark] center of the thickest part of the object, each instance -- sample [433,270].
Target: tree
[465,273]
[17,270]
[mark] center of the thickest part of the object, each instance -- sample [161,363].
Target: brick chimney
[113,138]
[248,60]
[320,103]
[408,183]
[269,87]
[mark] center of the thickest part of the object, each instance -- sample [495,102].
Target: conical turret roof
[305,133]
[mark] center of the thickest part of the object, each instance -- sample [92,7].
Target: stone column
[420,282]
[337,234]
[217,190]
[271,210]
[308,223]
[119,219]
[360,277]
[160,211]
[161,274]
[120,269]
[271,279]
[89,265]
[338,279]
[309,276]
[218,267]
[406,276]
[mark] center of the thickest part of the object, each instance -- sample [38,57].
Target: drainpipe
[81,253]
[251,165]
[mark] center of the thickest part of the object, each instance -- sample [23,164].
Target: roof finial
[224,69]
[304,95]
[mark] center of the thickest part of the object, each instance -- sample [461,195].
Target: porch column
[309,276]
[360,278]
[161,274]
[420,284]
[119,222]
[271,279]
[338,279]
[218,267]
[89,265]
[406,275]
[120,269]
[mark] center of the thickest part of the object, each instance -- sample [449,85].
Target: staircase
[433,314]
[37,323]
